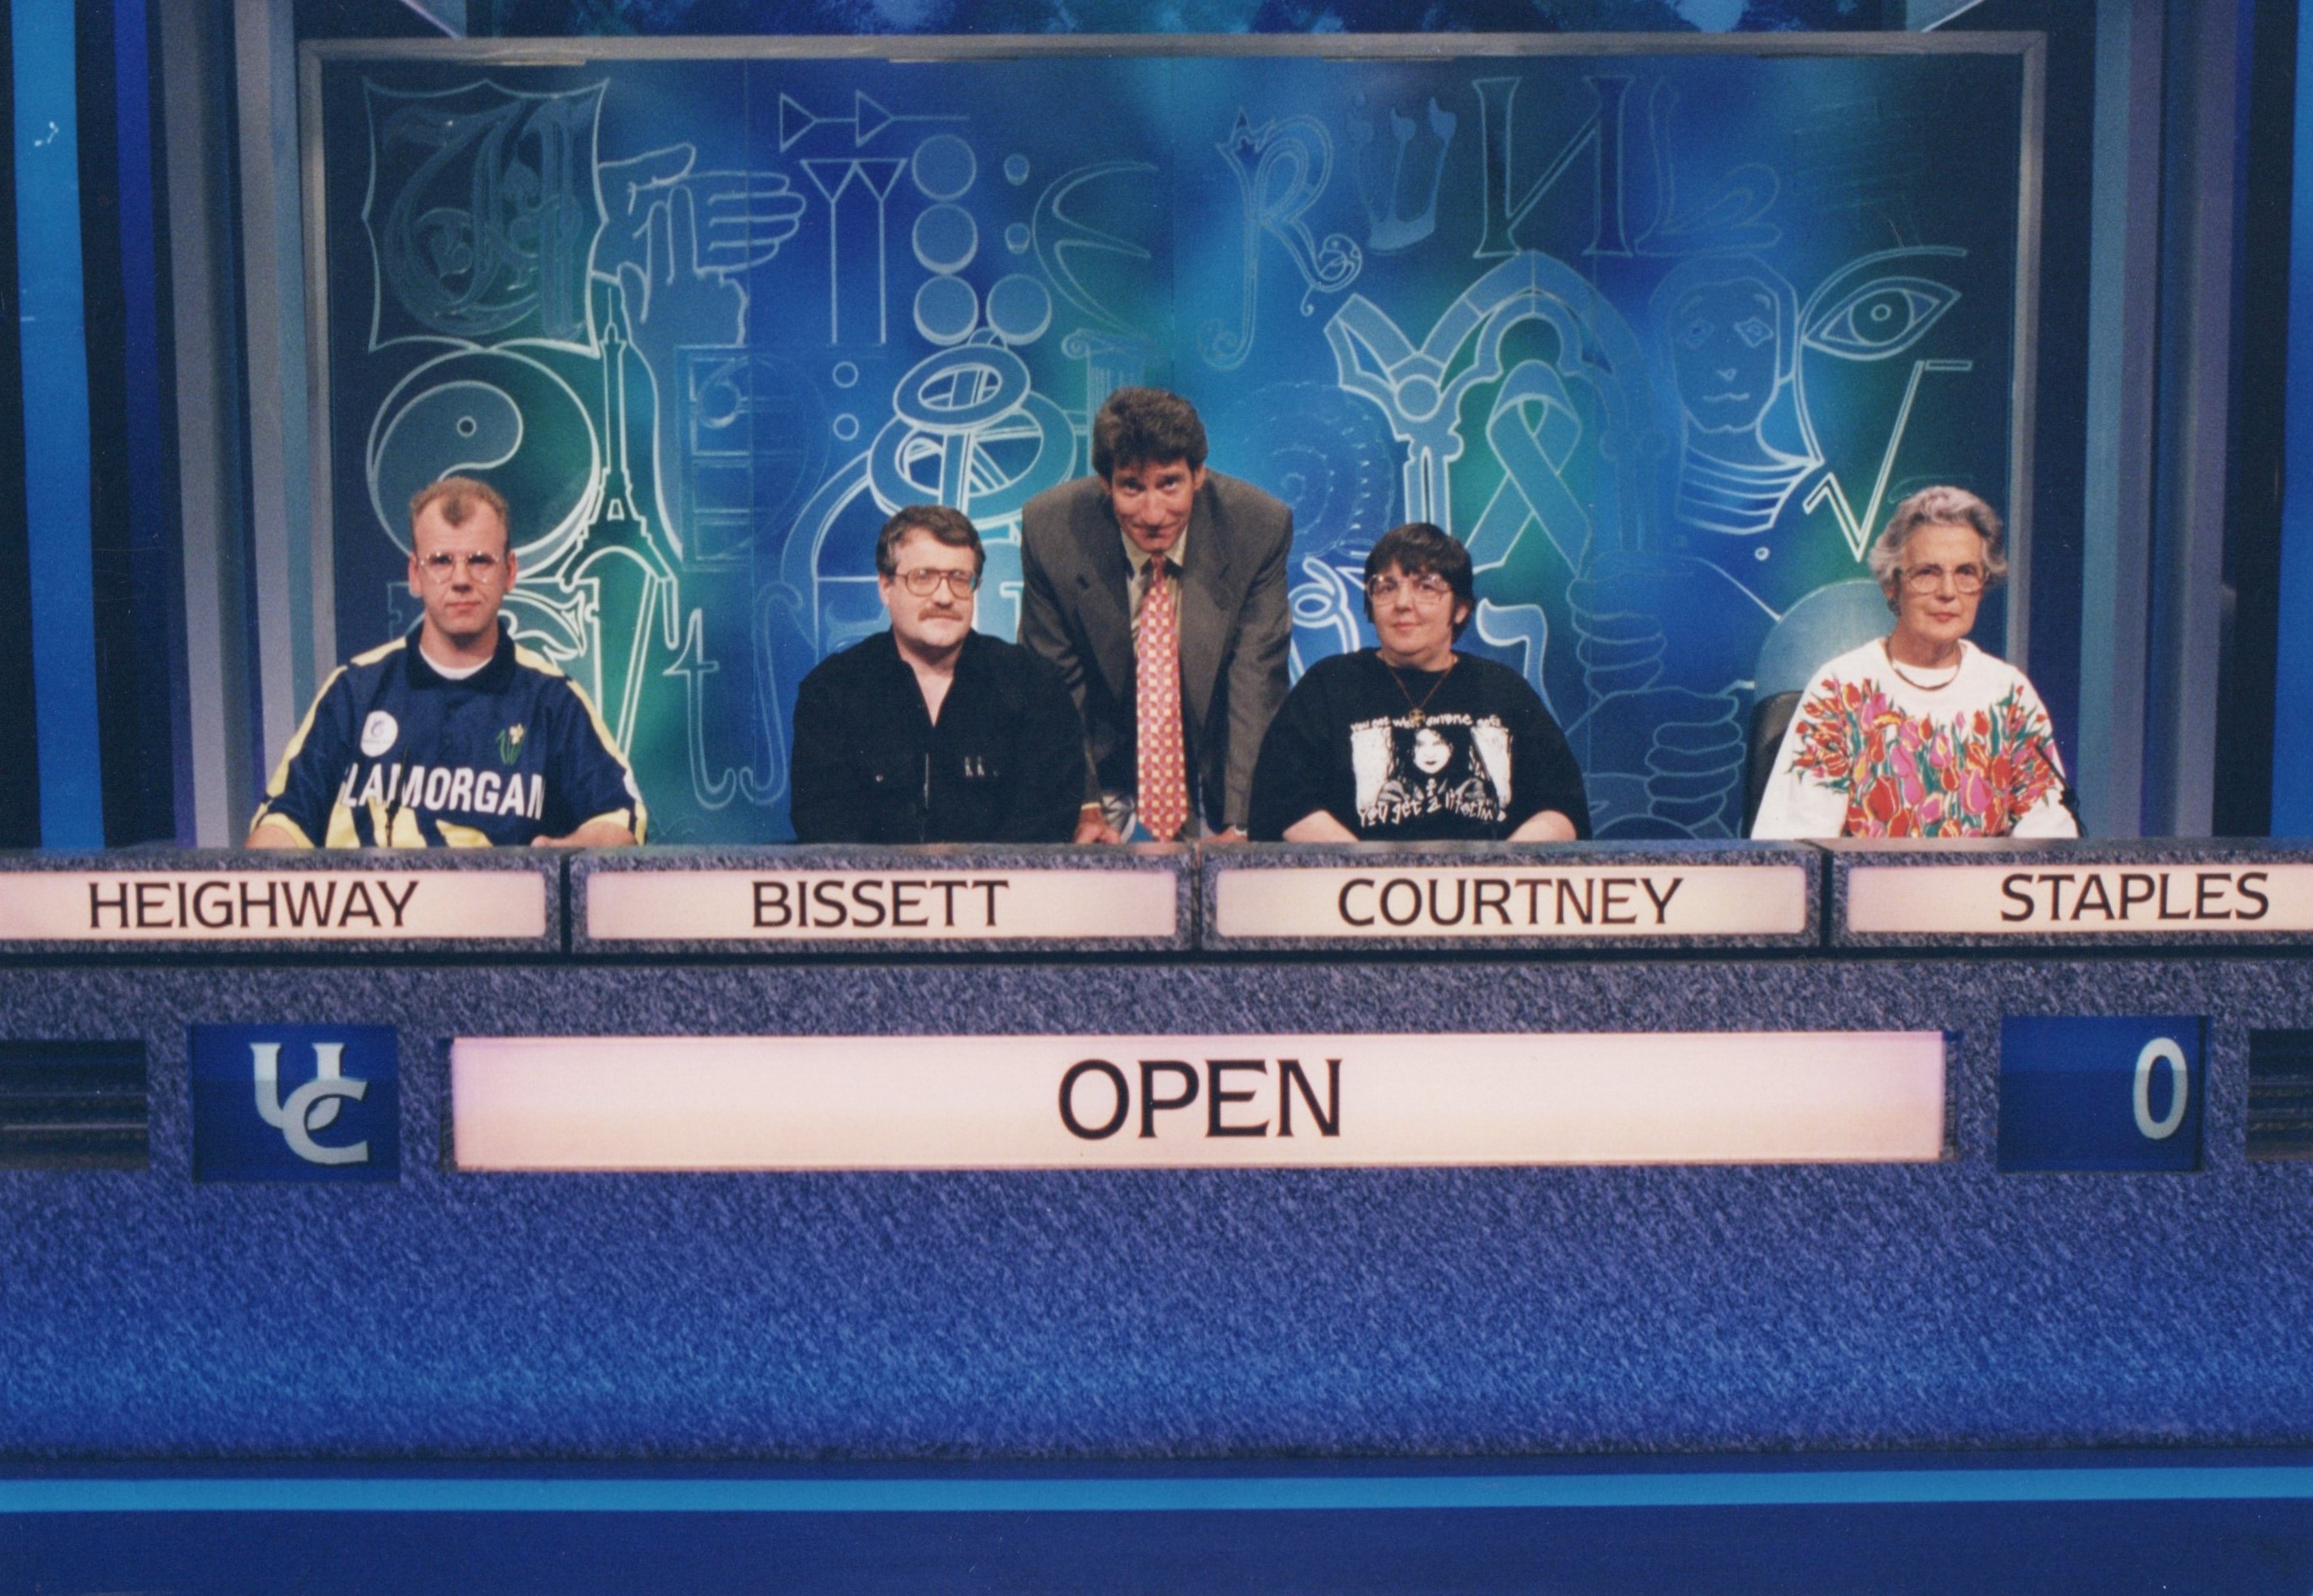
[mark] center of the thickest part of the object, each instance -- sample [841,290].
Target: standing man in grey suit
[1155,559]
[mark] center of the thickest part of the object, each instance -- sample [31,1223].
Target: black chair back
[1771,718]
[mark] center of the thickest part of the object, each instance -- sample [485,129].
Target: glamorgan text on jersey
[445,789]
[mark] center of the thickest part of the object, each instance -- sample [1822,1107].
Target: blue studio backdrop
[1660,337]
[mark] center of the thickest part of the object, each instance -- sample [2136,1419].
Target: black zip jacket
[1004,764]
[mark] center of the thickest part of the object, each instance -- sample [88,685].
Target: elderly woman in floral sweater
[1922,733]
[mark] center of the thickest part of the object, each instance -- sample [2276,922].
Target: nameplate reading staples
[1194,1101]
[927,905]
[2037,898]
[70,906]
[1494,900]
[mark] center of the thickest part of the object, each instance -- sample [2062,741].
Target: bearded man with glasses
[454,736]
[931,731]
[1410,741]
[1922,733]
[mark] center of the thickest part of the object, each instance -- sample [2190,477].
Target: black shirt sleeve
[1543,771]
[1294,778]
[1048,758]
[821,804]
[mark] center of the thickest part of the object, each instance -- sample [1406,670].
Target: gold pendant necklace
[1417,718]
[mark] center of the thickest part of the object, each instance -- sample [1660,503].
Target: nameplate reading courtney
[2035,898]
[930,905]
[1194,1101]
[70,906]
[1478,901]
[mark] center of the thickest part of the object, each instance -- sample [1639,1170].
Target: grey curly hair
[1937,506]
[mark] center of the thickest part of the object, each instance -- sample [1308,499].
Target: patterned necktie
[1164,783]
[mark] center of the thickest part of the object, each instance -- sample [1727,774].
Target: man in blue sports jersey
[451,736]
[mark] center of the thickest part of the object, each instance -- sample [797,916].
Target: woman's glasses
[1426,592]
[1927,579]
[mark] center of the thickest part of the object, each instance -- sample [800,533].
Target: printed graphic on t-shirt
[1440,764]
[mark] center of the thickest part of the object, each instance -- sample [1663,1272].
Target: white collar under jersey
[450,672]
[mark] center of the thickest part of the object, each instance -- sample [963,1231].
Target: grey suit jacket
[1074,610]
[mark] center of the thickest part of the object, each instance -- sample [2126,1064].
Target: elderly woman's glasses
[924,584]
[1427,591]
[1928,579]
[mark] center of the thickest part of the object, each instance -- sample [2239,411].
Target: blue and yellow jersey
[395,754]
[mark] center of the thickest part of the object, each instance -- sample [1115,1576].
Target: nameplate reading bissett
[1194,1101]
[2183,900]
[878,906]
[1492,900]
[68,905]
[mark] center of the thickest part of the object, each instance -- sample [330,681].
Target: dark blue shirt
[395,754]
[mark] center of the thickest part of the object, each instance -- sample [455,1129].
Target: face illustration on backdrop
[1727,336]
[1724,350]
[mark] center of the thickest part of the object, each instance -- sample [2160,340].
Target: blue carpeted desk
[1435,1323]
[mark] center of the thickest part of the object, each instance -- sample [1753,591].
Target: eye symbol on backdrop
[1875,320]
[1882,318]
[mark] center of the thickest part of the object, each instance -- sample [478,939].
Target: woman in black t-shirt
[1413,741]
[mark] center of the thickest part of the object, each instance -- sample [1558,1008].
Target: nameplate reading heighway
[1476,901]
[2184,900]
[1194,1101]
[70,905]
[920,905]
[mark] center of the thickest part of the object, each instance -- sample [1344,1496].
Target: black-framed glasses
[1427,591]
[442,565]
[925,582]
[1927,579]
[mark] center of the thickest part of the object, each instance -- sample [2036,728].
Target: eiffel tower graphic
[622,575]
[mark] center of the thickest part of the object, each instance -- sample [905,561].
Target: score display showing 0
[2108,1092]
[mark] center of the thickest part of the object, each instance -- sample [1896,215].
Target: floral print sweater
[1869,754]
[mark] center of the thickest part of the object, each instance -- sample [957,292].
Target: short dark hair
[458,497]
[951,527]
[1146,426]
[1421,549]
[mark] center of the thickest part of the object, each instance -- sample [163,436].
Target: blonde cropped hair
[458,496]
